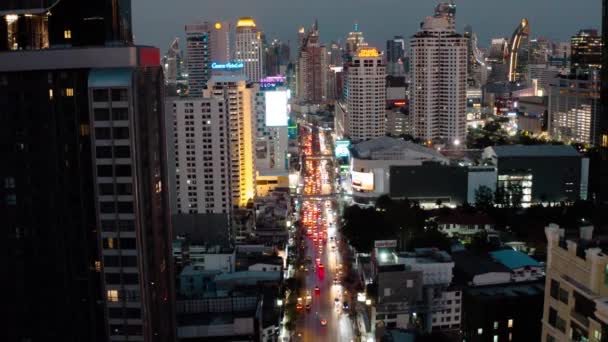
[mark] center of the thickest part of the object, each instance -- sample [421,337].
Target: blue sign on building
[227,66]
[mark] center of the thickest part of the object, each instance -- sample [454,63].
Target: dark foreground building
[83,191]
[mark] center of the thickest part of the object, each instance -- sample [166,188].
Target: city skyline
[157,22]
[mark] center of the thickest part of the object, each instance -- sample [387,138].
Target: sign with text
[385,244]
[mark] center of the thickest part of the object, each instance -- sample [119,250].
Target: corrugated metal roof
[514,259]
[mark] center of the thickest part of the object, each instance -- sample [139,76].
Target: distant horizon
[157,22]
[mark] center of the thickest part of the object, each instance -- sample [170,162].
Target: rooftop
[535,151]
[374,148]
[245,22]
[509,290]
[514,259]
[461,217]
[471,265]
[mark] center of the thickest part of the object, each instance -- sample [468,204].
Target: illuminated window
[50,94]
[67,34]
[495,325]
[510,324]
[479,331]
[495,338]
[69,92]
[604,140]
[113,296]
[597,335]
[110,243]
[97,266]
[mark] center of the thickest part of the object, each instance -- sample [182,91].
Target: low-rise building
[522,266]
[462,224]
[539,173]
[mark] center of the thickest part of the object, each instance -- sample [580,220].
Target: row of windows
[119,170]
[106,133]
[118,114]
[119,151]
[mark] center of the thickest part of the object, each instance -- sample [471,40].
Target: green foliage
[484,197]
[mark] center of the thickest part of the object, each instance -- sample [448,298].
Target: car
[317,290]
[321,266]
[299,306]
[308,307]
[337,302]
[336,281]
[323,322]
[345,305]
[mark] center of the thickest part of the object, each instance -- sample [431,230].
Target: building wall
[438,89]
[201,162]
[249,52]
[238,96]
[574,110]
[366,98]
[575,277]
[449,183]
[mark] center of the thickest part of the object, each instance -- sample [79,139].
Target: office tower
[366,96]
[202,156]
[395,53]
[519,53]
[354,41]
[312,69]
[172,63]
[586,51]
[206,44]
[540,50]
[575,308]
[438,88]
[249,48]
[335,55]
[499,50]
[276,58]
[237,94]
[447,10]
[477,70]
[574,108]
[85,172]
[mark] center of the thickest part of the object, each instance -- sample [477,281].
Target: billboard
[227,66]
[385,243]
[362,181]
[276,108]
[342,148]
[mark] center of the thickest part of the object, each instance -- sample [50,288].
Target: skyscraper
[249,48]
[354,41]
[519,53]
[439,76]
[312,69]
[84,191]
[447,10]
[206,44]
[237,94]
[586,51]
[276,58]
[395,54]
[366,96]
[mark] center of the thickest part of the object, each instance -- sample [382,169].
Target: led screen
[362,181]
[342,148]
[276,108]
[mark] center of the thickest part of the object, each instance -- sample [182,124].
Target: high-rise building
[439,77]
[575,308]
[271,106]
[447,10]
[519,53]
[602,186]
[31,25]
[395,54]
[249,48]
[354,41]
[84,191]
[206,44]
[586,51]
[366,96]
[237,94]
[276,58]
[312,69]
[574,108]
[202,158]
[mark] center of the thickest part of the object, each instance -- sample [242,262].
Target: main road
[327,317]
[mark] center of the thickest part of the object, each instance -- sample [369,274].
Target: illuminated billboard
[227,66]
[342,148]
[362,181]
[276,108]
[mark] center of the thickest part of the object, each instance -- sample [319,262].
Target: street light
[279,302]
[368,302]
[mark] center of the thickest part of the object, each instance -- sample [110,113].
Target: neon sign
[227,66]
[368,52]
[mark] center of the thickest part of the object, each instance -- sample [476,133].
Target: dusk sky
[156,22]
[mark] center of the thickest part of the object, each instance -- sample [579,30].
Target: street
[325,316]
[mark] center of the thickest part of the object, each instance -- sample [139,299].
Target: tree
[484,197]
